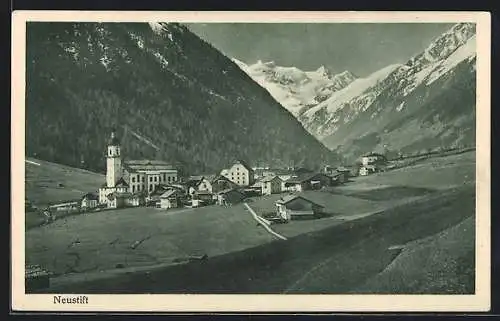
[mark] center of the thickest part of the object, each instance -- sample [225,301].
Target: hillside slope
[164,84]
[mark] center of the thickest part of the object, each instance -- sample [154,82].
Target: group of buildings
[372,163]
[156,183]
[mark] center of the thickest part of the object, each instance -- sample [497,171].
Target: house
[170,199]
[132,176]
[295,206]
[205,196]
[118,200]
[338,178]
[136,199]
[240,173]
[347,171]
[270,185]
[367,170]
[220,183]
[373,159]
[307,181]
[229,197]
[89,200]
[192,183]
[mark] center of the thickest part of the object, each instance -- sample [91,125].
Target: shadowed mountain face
[168,94]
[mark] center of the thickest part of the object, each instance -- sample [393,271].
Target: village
[157,184]
[269,198]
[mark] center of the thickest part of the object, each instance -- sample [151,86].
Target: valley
[416,205]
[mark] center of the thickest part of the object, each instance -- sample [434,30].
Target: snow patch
[464,52]
[400,107]
[353,90]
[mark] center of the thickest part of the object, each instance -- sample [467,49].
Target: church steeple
[113,160]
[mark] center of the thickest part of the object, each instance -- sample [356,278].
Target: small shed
[296,206]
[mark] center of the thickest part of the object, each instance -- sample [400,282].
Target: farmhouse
[132,176]
[192,184]
[295,206]
[367,170]
[205,196]
[229,197]
[170,199]
[307,181]
[270,185]
[240,173]
[338,178]
[89,200]
[118,199]
[373,159]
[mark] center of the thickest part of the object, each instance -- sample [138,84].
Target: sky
[360,48]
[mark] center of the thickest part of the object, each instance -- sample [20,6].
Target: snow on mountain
[353,90]
[295,89]
[397,81]
[428,101]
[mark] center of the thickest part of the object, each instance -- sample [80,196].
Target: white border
[257,303]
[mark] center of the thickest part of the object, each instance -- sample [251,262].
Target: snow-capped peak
[294,88]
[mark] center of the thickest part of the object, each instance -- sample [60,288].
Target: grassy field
[102,240]
[337,259]
[424,266]
[48,182]
[346,251]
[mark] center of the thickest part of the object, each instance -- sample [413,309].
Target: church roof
[121,183]
[147,165]
[113,140]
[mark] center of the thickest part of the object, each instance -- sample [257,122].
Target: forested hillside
[164,84]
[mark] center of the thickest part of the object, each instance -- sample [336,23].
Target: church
[129,181]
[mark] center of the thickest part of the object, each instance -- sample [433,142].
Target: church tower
[113,160]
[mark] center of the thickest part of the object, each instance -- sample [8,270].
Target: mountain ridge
[83,79]
[355,118]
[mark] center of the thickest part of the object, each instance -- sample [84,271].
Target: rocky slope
[426,103]
[187,102]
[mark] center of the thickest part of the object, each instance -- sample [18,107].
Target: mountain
[295,89]
[425,104]
[168,94]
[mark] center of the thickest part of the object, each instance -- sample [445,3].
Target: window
[156,178]
[133,188]
[150,187]
[143,179]
[164,177]
[150,179]
[133,179]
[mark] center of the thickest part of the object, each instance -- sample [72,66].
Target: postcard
[250,161]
